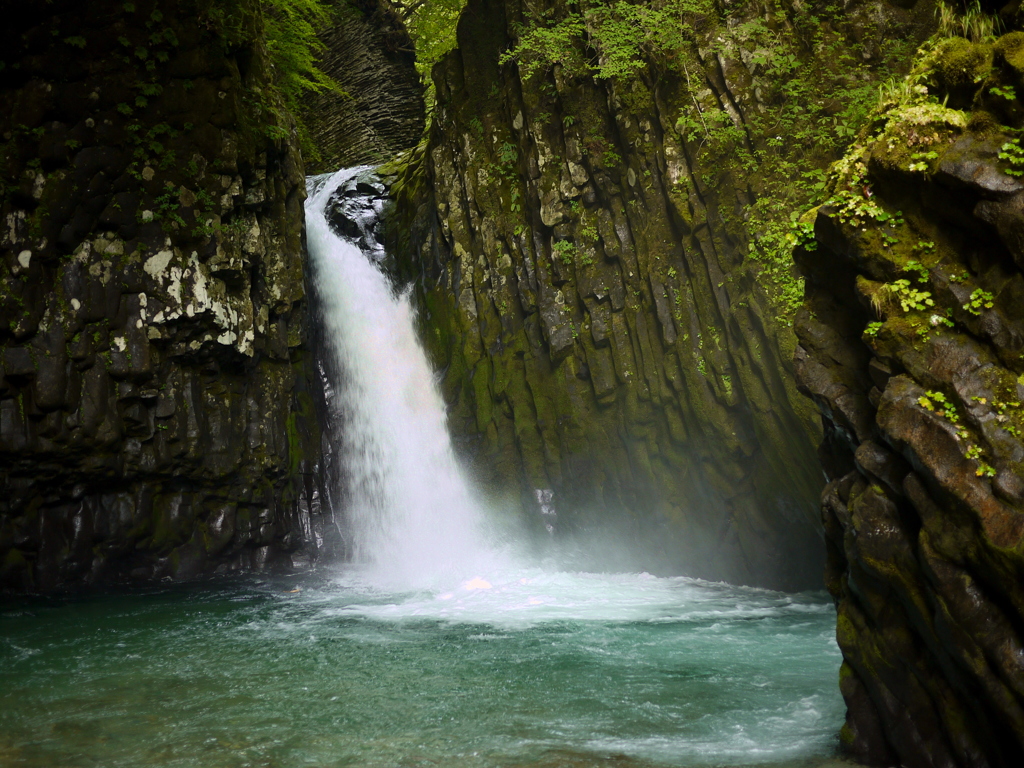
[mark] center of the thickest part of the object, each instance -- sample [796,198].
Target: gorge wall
[379,109]
[912,345]
[155,412]
[607,285]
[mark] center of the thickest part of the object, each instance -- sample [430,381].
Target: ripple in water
[525,668]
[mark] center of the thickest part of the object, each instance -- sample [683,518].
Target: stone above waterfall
[355,209]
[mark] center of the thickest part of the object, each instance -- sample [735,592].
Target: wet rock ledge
[911,342]
[155,416]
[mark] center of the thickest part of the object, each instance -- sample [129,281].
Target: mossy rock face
[910,345]
[583,258]
[960,65]
[154,386]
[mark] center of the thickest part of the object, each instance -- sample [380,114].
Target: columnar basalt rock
[379,110]
[606,341]
[911,343]
[155,413]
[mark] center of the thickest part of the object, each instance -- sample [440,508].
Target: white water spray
[415,522]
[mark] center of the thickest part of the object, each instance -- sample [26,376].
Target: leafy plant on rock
[1013,153]
[978,301]
[909,298]
[938,403]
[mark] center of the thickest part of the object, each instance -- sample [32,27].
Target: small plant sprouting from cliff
[802,235]
[1013,153]
[985,470]
[921,161]
[1004,91]
[938,403]
[564,250]
[507,158]
[978,301]
[909,298]
[854,208]
[918,269]
[872,329]
[586,231]
[974,453]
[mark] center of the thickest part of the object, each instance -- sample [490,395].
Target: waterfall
[412,515]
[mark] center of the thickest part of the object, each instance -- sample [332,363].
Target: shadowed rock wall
[155,418]
[369,54]
[606,342]
[912,346]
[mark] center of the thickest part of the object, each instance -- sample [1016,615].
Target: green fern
[293,45]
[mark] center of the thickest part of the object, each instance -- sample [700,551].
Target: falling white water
[414,520]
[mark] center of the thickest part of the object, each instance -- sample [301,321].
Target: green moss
[846,632]
[960,63]
[14,562]
[482,393]
[846,736]
[164,532]
[1009,49]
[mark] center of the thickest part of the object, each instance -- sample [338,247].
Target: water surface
[517,669]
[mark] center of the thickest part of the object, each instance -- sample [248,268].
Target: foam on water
[740,662]
[526,597]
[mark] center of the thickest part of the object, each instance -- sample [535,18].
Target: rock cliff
[380,109]
[155,418]
[911,342]
[606,283]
